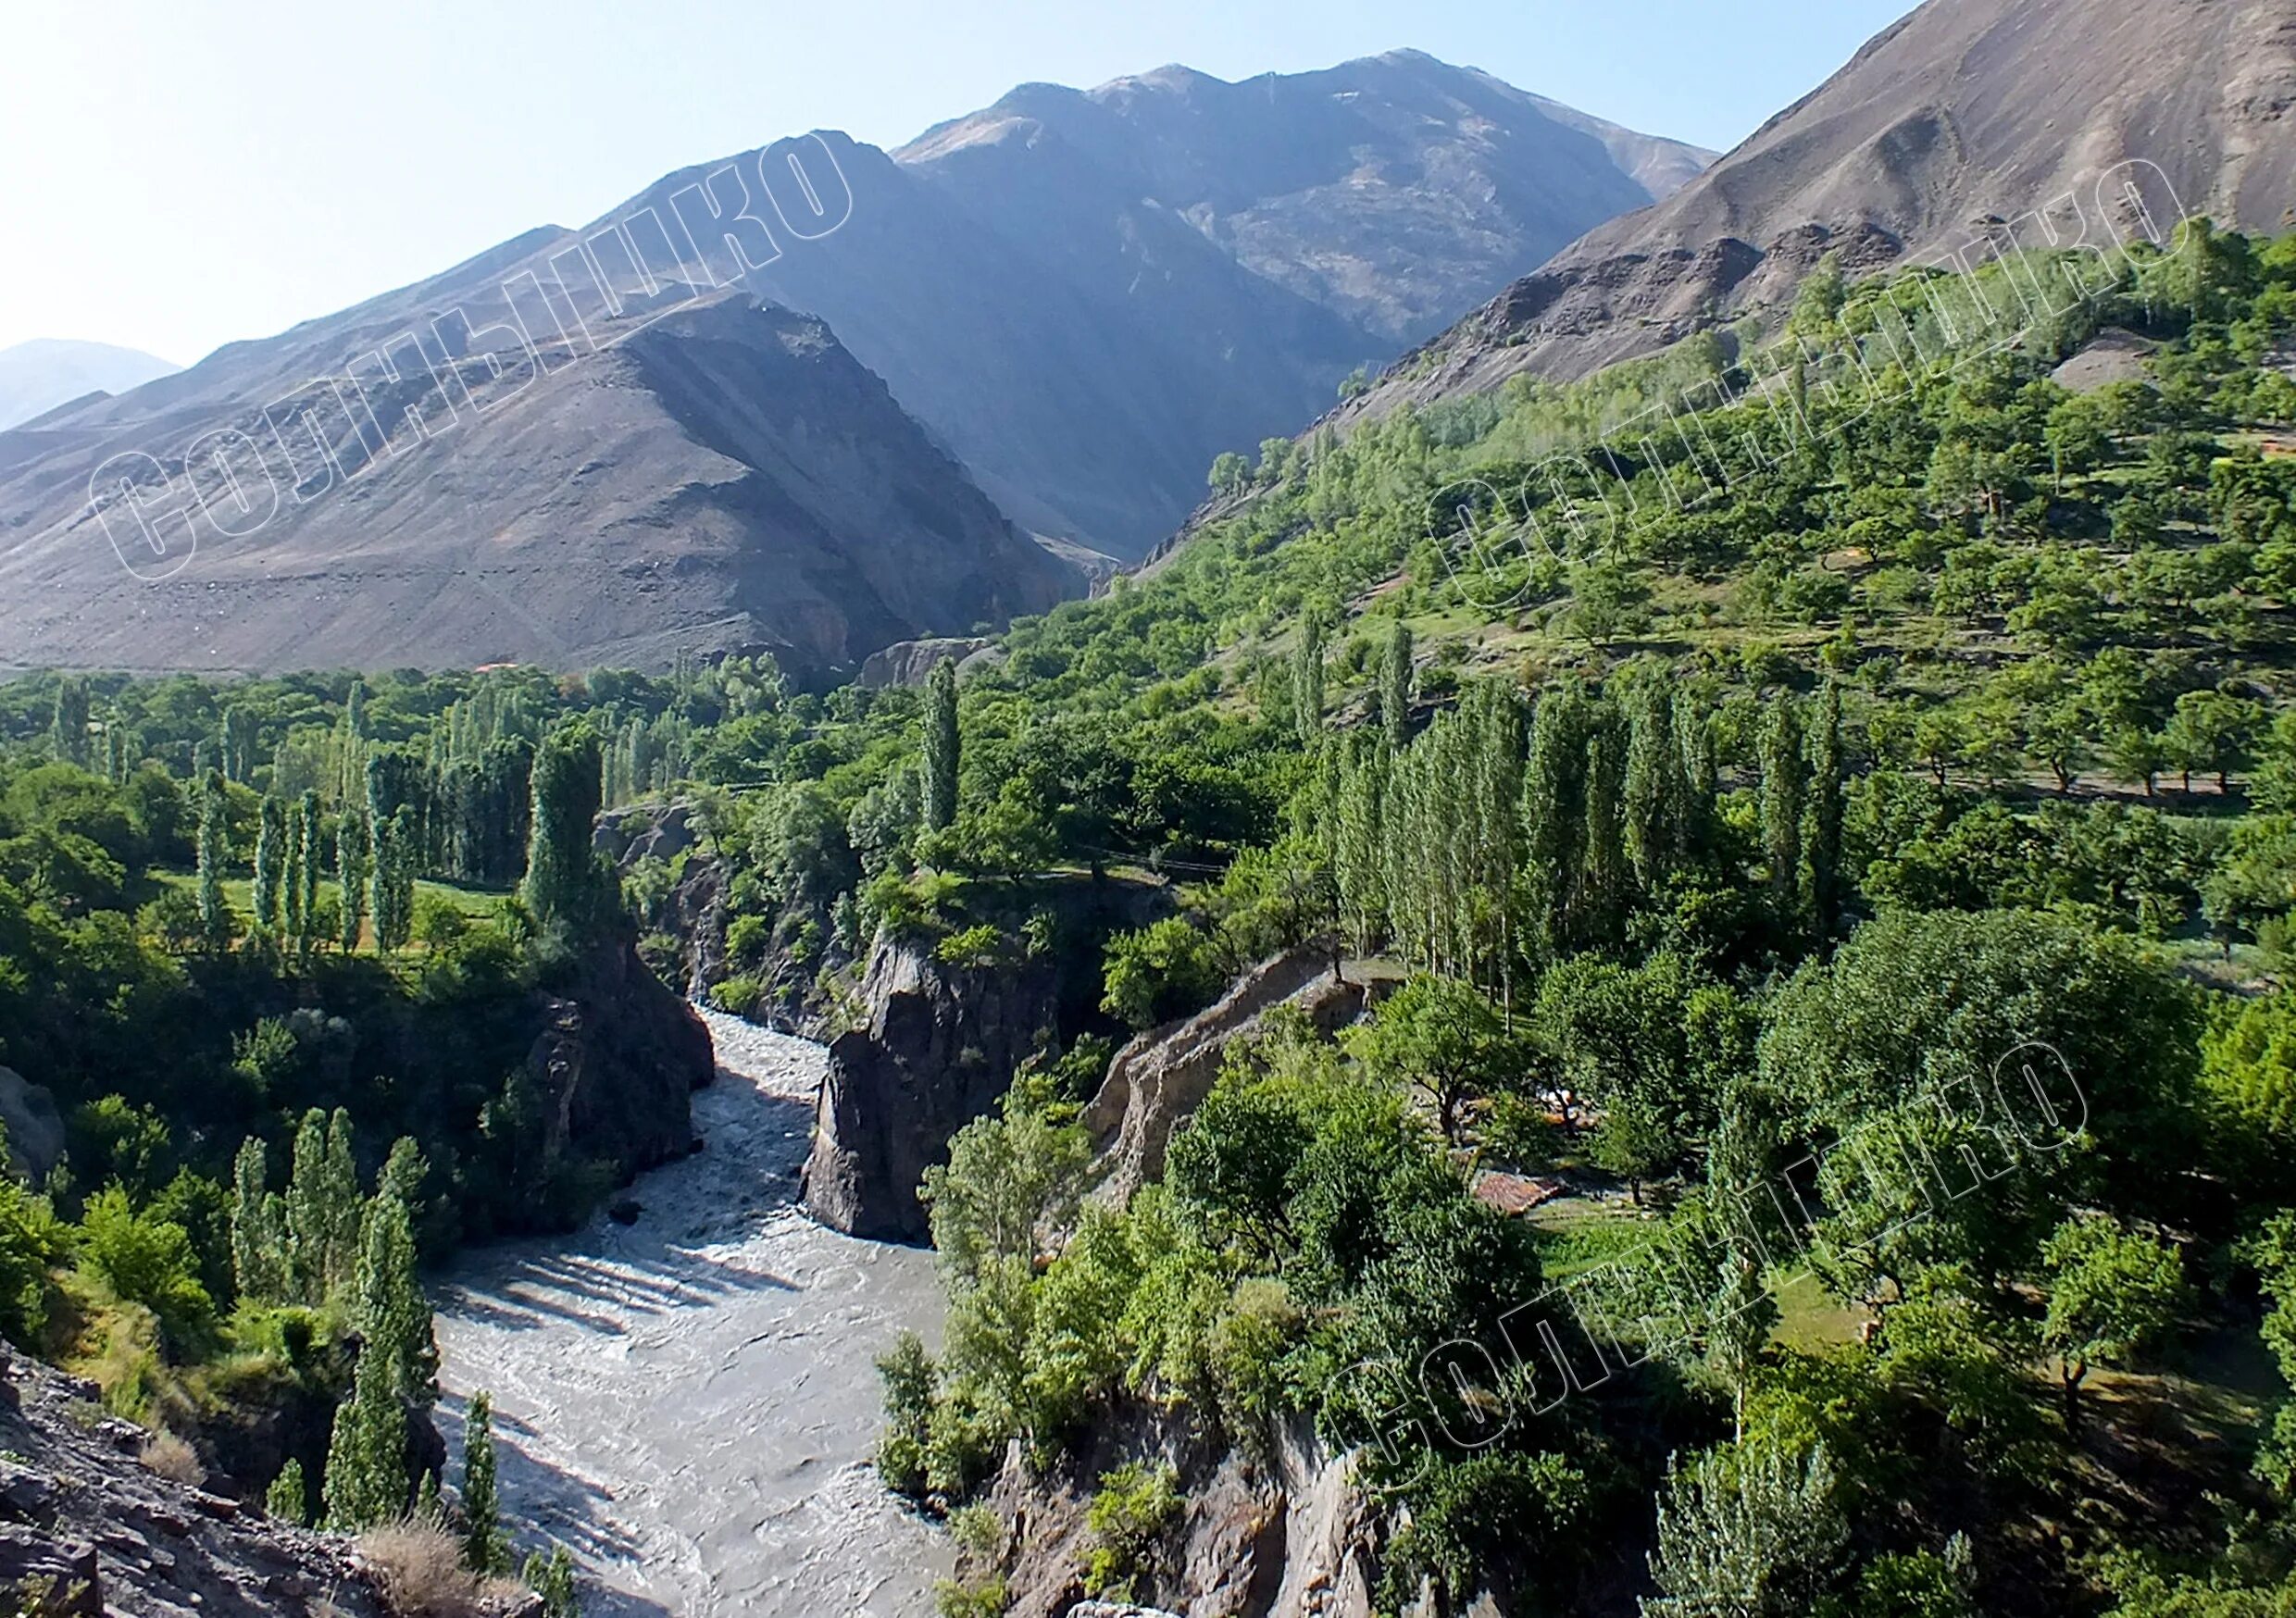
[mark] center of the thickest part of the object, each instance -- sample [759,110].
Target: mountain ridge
[1958,118]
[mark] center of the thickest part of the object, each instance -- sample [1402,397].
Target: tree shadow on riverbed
[546,1505]
[610,1276]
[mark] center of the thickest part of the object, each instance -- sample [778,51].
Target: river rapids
[689,1402]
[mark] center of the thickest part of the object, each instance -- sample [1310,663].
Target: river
[688,1404]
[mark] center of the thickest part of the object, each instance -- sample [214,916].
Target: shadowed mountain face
[38,376]
[1967,116]
[724,477]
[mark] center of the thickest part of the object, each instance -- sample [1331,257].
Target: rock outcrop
[619,1057]
[35,1129]
[938,1045]
[1164,1075]
[1291,1535]
[80,1511]
[907,663]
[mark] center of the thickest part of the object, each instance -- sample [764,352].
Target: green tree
[1747,1531]
[2111,1292]
[69,727]
[1439,1036]
[259,1245]
[563,888]
[367,1481]
[289,1498]
[1783,780]
[351,859]
[270,868]
[1307,679]
[1395,685]
[392,1315]
[551,1578]
[216,924]
[1821,842]
[943,745]
[485,1547]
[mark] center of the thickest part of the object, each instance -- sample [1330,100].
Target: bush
[737,996]
[419,1568]
[171,1457]
[1166,971]
[147,1260]
[1128,1518]
[974,949]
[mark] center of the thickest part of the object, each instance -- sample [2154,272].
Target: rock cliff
[937,1045]
[1290,1535]
[619,1057]
[1164,1075]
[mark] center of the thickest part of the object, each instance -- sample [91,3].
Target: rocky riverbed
[688,1401]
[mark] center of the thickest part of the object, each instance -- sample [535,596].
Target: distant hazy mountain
[1089,294]
[36,376]
[1083,297]
[1963,115]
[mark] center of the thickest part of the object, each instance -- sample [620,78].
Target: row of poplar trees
[1513,831]
[379,849]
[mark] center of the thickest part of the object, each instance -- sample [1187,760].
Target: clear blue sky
[179,173]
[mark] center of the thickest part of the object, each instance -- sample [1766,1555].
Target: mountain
[1089,294]
[1080,297]
[1961,117]
[36,376]
[721,475]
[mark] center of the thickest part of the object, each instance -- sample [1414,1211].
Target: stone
[35,1129]
[62,1572]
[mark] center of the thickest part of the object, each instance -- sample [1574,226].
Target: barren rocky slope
[1966,114]
[82,1518]
[727,477]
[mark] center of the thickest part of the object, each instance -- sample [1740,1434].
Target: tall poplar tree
[259,1245]
[1821,850]
[270,867]
[1307,679]
[1395,685]
[943,746]
[1782,782]
[351,849]
[562,884]
[485,1549]
[215,914]
[366,1482]
[69,727]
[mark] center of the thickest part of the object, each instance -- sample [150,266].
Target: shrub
[418,1566]
[974,948]
[1166,971]
[737,996]
[1128,1518]
[172,1458]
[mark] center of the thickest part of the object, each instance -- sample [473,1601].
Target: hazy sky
[179,173]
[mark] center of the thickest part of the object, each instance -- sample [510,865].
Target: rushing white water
[688,1404]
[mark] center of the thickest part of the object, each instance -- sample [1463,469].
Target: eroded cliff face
[937,1044]
[1289,1535]
[1163,1075]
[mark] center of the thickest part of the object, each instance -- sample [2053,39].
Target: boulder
[35,1128]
